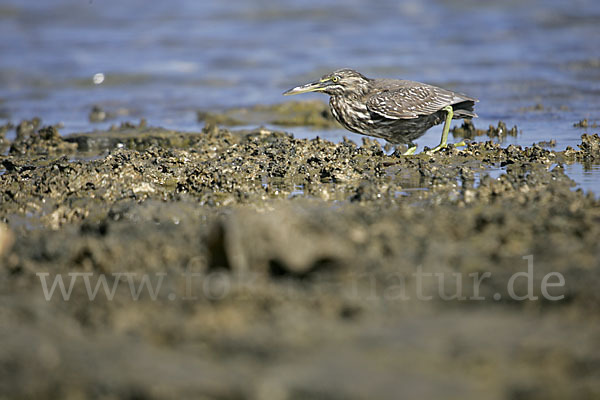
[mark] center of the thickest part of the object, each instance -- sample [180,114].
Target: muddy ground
[294,269]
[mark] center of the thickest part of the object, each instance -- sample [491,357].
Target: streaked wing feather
[407,100]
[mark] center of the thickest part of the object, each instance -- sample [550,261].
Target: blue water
[165,60]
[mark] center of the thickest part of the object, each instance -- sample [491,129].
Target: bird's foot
[436,149]
[411,150]
[442,146]
[399,151]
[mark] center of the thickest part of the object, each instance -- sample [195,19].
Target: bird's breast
[351,113]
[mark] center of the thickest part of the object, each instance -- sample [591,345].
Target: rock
[292,113]
[279,242]
[44,141]
[97,114]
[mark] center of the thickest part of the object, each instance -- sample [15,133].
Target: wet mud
[295,268]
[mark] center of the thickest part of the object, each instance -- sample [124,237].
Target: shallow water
[165,60]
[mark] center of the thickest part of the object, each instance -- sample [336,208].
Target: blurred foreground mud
[291,269]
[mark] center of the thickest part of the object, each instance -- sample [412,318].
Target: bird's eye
[335,79]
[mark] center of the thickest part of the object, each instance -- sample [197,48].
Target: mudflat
[249,264]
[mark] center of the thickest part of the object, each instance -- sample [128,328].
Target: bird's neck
[356,95]
[360,91]
[349,97]
[345,109]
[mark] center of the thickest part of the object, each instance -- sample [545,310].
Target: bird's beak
[309,87]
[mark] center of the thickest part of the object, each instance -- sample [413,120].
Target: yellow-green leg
[411,150]
[444,141]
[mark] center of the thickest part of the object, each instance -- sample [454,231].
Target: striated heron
[398,111]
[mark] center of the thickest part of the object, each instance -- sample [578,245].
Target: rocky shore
[283,268]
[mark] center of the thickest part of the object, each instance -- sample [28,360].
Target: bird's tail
[464,109]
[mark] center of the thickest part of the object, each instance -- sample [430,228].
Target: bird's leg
[411,149]
[444,142]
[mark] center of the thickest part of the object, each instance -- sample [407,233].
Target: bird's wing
[406,99]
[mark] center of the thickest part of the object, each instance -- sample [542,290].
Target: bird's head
[340,82]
